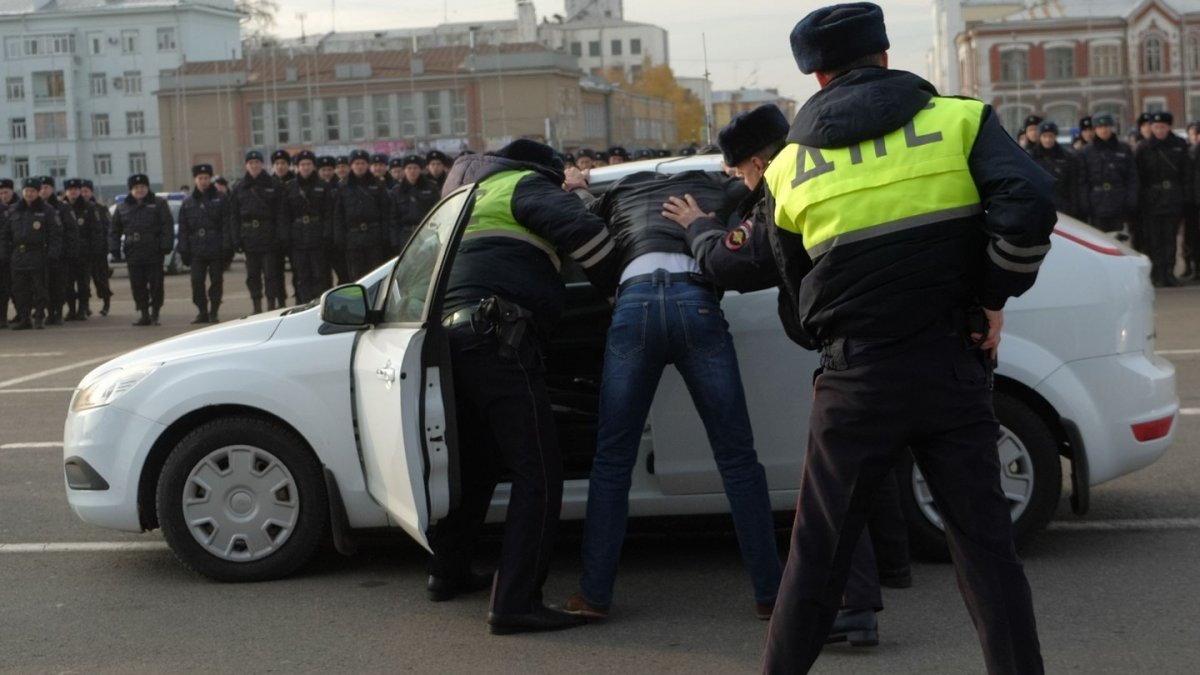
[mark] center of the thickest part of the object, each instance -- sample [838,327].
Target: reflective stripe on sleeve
[1010,266]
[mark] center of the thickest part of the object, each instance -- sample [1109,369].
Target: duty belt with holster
[507,320]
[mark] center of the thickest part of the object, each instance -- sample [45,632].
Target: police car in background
[250,442]
[172,264]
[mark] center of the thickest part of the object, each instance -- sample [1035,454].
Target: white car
[249,442]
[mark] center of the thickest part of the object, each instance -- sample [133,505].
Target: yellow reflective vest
[914,176]
[492,215]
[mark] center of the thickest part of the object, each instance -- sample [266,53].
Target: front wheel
[1030,477]
[242,499]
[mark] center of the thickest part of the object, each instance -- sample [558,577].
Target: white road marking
[23,446]
[1125,525]
[54,371]
[1189,411]
[86,547]
[47,390]
[29,355]
[1177,352]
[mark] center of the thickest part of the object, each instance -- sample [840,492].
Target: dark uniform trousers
[933,397]
[504,421]
[359,261]
[309,273]
[1161,233]
[262,268]
[5,287]
[281,257]
[1107,224]
[99,271]
[29,293]
[57,284]
[214,270]
[146,280]
[338,271]
[79,281]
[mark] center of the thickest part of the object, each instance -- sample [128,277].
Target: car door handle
[388,375]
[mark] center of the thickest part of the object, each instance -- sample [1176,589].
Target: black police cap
[601,156]
[1144,118]
[396,163]
[437,155]
[253,155]
[6,183]
[689,151]
[73,184]
[88,185]
[752,131]
[221,180]
[1163,116]
[618,151]
[326,161]
[306,154]
[138,179]
[356,155]
[32,182]
[1104,120]
[413,159]
[342,159]
[379,158]
[205,169]
[1085,122]
[586,152]
[281,154]
[1032,121]
[831,37]
[47,180]
[1048,127]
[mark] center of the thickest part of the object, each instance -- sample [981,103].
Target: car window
[408,290]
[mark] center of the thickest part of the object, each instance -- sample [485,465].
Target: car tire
[242,499]
[1034,454]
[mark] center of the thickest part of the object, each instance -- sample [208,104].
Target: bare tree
[258,16]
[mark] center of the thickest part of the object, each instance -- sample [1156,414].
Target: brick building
[1071,58]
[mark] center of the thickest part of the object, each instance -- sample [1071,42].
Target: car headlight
[110,386]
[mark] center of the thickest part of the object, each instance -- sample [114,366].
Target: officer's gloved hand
[186,259]
[228,257]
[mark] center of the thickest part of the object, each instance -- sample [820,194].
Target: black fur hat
[752,131]
[525,150]
[833,36]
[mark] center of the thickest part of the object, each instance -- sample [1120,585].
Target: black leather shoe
[856,626]
[899,578]
[441,589]
[540,620]
[202,317]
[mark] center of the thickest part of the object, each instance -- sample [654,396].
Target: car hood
[236,334]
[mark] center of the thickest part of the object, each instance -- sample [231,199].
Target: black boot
[105,307]
[257,305]
[84,311]
[3,320]
[22,324]
[71,314]
[144,320]
[202,317]
[154,316]
[38,323]
[270,304]
[55,319]
[212,315]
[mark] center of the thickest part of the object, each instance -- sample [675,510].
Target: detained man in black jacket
[1064,165]
[206,242]
[896,210]
[144,227]
[1164,176]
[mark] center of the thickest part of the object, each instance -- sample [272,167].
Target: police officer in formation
[329,169]
[91,236]
[1064,165]
[437,167]
[206,242]
[32,240]
[8,198]
[98,262]
[306,212]
[361,217]
[413,195]
[380,165]
[1110,178]
[887,250]
[58,271]
[143,226]
[254,204]
[1165,175]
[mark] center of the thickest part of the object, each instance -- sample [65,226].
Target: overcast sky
[747,41]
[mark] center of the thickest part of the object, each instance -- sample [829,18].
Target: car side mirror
[345,306]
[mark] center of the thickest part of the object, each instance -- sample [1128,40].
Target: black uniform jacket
[1067,169]
[306,212]
[1164,175]
[93,236]
[32,236]
[70,228]
[516,270]
[205,228]
[1110,178]
[361,214]
[893,286]
[148,229]
[254,203]
[411,202]
[105,220]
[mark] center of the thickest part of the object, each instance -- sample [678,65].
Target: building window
[304,111]
[16,129]
[135,123]
[50,125]
[1064,115]
[283,133]
[16,88]
[333,120]
[95,43]
[129,40]
[635,71]
[1106,61]
[62,44]
[258,125]
[1153,105]
[49,87]
[408,117]
[576,49]
[458,112]
[131,82]
[1014,66]
[1012,118]
[166,39]
[98,84]
[635,47]
[21,168]
[433,113]
[1193,53]
[100,125]
[137,162]
[594,48]
[383,115]
[55,167]
[616,47]
[102,165]
[1060,63]
[1152,55]
[357,116]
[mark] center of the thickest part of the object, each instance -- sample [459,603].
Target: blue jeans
[656,323]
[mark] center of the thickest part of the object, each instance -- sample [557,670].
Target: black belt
[676,278]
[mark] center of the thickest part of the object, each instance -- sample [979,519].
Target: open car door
[402,382]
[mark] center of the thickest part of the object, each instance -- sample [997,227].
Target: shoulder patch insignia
[738,236]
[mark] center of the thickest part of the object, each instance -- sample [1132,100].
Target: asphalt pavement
[1115,590]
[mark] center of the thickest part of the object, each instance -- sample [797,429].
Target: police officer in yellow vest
[504,294]
[896,211]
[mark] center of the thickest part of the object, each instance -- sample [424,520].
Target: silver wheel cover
[1017,479]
